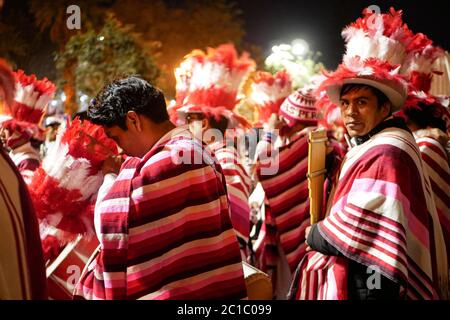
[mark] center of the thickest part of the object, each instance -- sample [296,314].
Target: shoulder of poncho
[390,144]
[433,133]
[387,137]
[175,149]
[298,139]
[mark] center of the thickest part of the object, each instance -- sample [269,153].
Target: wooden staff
[316,172]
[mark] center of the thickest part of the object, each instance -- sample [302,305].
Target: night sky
[269,22]
[319,22]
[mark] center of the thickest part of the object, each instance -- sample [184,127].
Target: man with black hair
[381,237]
[163,223]
[363,108]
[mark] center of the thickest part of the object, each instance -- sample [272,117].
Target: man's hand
[112,164]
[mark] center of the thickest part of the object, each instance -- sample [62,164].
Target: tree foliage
[93,58]
[50,16]
[171,32]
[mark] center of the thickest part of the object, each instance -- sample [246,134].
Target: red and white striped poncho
[238,187]
[287,194]
[382,215]
[436,164]
[165,229]
[27,159]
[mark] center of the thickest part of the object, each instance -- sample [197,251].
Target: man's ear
[205,123]
[386,109]
[133,121]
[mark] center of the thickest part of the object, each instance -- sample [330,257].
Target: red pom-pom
[89,141]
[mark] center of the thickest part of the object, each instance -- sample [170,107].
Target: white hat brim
[397,99]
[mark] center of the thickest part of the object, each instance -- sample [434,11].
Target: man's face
[124,140]
[52,132]
[360,111]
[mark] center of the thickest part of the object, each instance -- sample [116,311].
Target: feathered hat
[209,82]
[418,63]
[417,67]
[65,185]
[375,48]
[425,111]
[267,92]
[30,101]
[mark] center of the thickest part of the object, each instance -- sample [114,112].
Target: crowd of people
[141,199]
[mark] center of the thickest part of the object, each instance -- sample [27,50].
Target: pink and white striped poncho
[165,230]
[238,187]
[287,194]
[382,215]
[431,146]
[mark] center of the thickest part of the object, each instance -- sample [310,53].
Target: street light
[296,59]
[299,47]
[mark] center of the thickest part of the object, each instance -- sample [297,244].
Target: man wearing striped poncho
[239,187]
[381,238]
[282,166]
[428,120]
[163,223]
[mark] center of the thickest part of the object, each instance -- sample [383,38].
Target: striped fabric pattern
[437,166]
[383,215]
[287,194]
[21,263]
[320,277]
[165,230]
[266,246]
[238,187]
[27,160]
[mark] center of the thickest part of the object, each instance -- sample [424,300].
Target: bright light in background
[296,58]
[299,47]
[285,47]
[84,98]
[63,97]
[54,103]
[287,52]
[101,38]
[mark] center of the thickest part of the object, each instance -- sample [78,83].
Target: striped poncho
[286,189]
[431,143]
[27,160]
[238,186]
[165,230]
[382,216]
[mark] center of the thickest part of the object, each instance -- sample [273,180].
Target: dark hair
[82,115]
[425,116]
[220,123]
[349,87]
[110,106]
